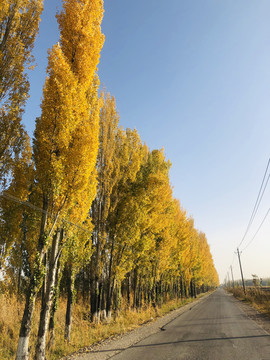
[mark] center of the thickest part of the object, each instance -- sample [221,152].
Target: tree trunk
[93,297]
[99,301]
[45,310]
[26,326]
[135,285]
[181,287]
[128,289]
[19,281]
[117,298]
[34,286]
[110,289]
[194,289]
[70,301]
[110,285]
[153,294]
[54,306]
[139,295]
[44,285]
[103,302]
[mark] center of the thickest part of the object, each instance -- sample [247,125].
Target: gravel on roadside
[260,318]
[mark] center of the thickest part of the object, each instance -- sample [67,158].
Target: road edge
[113,346]
[261,319]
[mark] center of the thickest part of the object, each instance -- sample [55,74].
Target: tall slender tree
[19,21]
[65,146]
[108,174]
[129,152]
[13,214]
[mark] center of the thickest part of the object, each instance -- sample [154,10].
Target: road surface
[214,329]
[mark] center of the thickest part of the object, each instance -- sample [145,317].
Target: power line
[258,201]
[261,224]
[254,212]
[26,203]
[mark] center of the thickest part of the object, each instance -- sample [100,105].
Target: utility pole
[232,277]
[241,270]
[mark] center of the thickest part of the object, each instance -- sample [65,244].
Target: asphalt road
[214,329]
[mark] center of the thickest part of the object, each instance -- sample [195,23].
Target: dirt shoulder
[260,318]
[110,347]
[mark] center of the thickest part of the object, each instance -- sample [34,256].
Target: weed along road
[214,329]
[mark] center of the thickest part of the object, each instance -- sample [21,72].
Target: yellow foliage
[66,136]
[19,21]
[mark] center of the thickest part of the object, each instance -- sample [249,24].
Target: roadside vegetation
[255,296]
[84,334]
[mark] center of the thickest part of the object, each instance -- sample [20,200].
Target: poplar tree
[108,174]
[13,245]
[77,251]
[65,147]
[129,152]
[19,21]
[155,197]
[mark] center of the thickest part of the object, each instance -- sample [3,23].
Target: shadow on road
[203,340]
[186,341]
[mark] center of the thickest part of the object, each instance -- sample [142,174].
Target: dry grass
[8,330]
[256,297]
[11,312]
[84,333]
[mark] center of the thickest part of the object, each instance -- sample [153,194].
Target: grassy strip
[84,333]
[256,297]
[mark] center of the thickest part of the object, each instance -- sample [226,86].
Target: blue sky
[193,77]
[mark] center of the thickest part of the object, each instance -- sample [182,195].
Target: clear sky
[192,76]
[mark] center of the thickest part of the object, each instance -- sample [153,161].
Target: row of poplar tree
[88,208]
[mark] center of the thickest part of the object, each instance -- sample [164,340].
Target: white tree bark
[22,349]
[45,311]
